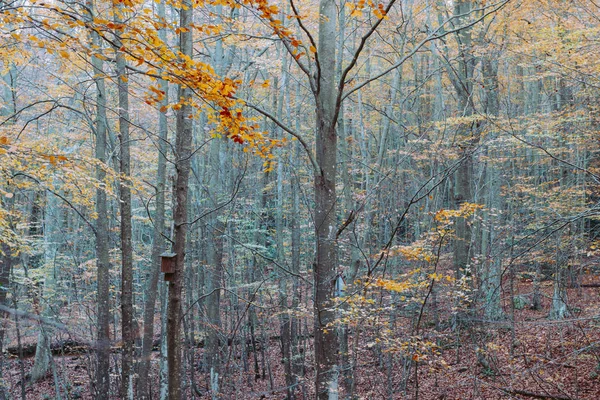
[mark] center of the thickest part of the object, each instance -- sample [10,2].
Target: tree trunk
[158,243]
[325,268]
[558,309]
[126,389]
[51,228]
[163,373]
[492,280]
[102,237]
[213,302]
[182,166]
[461,78]
[6,263]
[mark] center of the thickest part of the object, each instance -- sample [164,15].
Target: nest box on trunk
[167,264]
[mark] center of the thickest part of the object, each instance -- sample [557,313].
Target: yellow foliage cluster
[465,210]
[356,9]
[142,44]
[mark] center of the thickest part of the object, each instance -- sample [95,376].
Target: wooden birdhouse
[167,264]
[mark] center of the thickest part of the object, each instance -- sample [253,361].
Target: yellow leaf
[312,49]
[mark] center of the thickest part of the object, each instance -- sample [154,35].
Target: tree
[183,151]
[101,229]
[126,390]
[158,241]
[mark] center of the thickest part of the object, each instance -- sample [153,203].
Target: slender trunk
[158,241]
[215,249]
[214,280]
[102,237]
[213,301]
[182,166]
[23,379]
[126,389]
[6,258]
[558,309]
[6,262]
[461,78]
[163,372]
[492,264]
[294,322]
[51,227]
[325,268]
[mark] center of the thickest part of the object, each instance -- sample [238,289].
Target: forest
[299,199]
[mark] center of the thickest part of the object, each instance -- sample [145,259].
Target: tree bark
[126,389]
[6,263]
[213,302]
[492,279]
[158,243]
[462,80]
[325,268]
[51,227]
[182,166]
[102,237]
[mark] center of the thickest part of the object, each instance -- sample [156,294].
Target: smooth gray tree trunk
[158,243]
[51,240]
[102,237]
[325,268]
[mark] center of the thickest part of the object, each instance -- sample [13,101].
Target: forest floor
[532,358]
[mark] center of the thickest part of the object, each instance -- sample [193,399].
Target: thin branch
[271,260]
[432,36]
[357,53]
[310,38]
[288,130]
[512,133]
[233,196]
[92,227]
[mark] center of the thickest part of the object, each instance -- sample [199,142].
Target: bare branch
[438,33]
[290,131]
